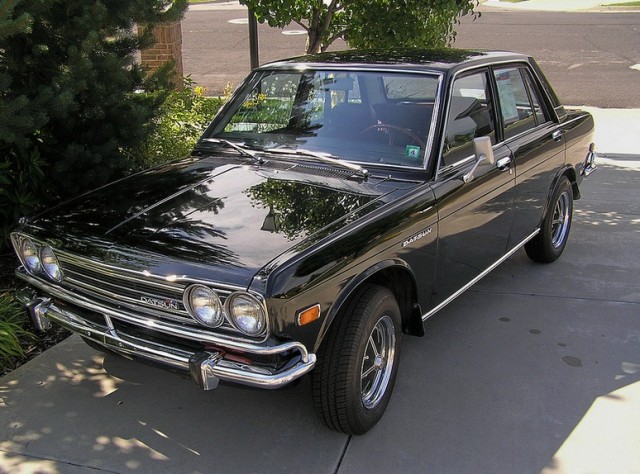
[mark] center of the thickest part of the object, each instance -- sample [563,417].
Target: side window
[470,116]
[517,111]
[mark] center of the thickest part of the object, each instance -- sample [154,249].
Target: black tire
[550,242]
[358,362]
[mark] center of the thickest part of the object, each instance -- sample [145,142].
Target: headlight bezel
[234,318]
[37,248]
[231,319]
[29,261]
[188,301]
[56,274]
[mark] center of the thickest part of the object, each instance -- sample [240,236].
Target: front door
[475,216]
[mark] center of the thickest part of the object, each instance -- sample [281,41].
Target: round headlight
[247,314]
[29,255]
[50,264]
[204,305]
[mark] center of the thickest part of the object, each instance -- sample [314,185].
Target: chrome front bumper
[207,368]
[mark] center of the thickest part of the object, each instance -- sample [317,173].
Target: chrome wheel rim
[560,221]
[377,363]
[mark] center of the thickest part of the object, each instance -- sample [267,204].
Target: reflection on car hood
[214,212]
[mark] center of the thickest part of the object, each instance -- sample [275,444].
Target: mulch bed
[43,341]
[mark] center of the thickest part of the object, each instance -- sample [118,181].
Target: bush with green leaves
[13,334]
[73,69]
[182,118]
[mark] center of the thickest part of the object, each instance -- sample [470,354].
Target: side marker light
[308,315]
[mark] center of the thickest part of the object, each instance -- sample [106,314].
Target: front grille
[120,288]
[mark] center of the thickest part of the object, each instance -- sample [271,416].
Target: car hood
[220,214]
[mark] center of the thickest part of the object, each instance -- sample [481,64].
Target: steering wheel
[388,129]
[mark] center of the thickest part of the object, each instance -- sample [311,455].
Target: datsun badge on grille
[166,303]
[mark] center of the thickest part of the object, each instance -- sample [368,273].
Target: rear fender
[571,175]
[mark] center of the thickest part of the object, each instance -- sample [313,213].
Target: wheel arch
[568,172]
[397,277]
[572,176]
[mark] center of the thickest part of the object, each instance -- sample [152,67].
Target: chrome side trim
[479,277]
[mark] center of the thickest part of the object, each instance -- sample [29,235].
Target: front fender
[395,274]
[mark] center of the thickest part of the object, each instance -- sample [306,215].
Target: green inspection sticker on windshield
[413,152]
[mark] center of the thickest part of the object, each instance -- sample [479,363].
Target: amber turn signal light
[308,315]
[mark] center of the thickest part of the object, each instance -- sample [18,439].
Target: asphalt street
[588,57]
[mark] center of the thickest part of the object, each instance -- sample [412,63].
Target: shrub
[181,120]
[21,178]
[73,82]
[13,334]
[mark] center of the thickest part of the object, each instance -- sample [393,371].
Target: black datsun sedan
[334,204]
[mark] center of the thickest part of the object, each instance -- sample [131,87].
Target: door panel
[475,219]
[536,142]
[537,157]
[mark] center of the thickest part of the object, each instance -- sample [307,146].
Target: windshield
[360,116]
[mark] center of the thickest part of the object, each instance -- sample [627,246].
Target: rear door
[536,143]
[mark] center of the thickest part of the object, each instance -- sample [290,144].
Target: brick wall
[167,47]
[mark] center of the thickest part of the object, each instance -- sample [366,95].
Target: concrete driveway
[536,368]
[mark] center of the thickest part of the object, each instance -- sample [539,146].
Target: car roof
[443,60]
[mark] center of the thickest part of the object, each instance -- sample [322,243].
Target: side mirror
[484,152]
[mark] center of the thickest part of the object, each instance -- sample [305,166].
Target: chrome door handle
[503,164]
[557,135]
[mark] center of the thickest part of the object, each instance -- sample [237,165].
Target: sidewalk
[531,5]
[562,5]
[231,5]
[617,131]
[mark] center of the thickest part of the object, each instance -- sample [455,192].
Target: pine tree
[16,120]
[72,98]
[74,77]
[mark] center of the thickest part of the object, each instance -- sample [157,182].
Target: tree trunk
[314,41]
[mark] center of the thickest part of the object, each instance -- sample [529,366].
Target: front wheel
[548,245]
[358,362]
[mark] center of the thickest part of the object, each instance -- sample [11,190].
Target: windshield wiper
[323,158]
[239,148]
